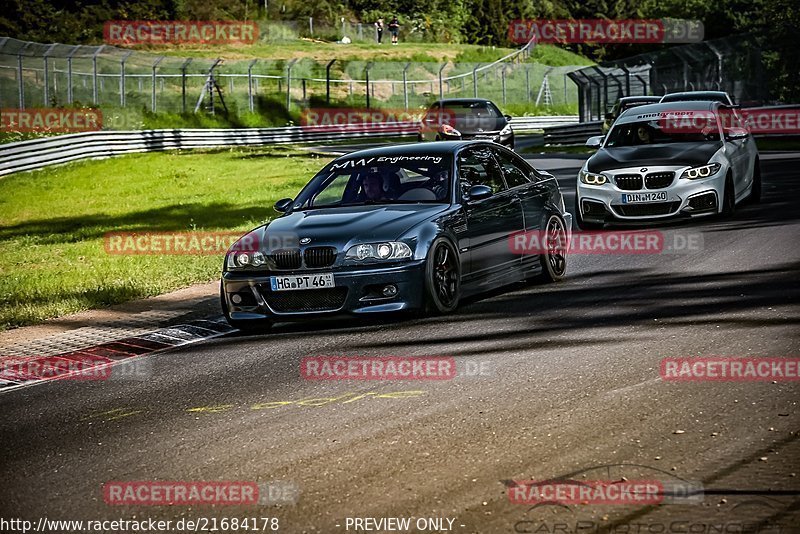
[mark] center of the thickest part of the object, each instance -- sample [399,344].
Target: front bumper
[357,291]
[684,198]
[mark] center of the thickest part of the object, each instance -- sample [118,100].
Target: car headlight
[449,130]
[703,171]
[244,259]
[506,130]
[391,250]
[592,178]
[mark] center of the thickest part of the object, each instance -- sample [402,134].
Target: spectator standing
[394,28]
[379,30]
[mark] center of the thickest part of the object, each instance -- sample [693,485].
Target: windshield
[381,180]
[482,110]
[660,131]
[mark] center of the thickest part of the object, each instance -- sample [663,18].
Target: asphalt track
[570,387]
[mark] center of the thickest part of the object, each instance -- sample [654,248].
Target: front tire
[554,258]
[442,278]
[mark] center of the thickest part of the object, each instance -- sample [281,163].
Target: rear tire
[554,258]
[442,278]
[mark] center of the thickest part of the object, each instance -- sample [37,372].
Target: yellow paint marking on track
[211,409]
[116,413]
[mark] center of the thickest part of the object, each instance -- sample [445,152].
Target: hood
[678,154]
[342,227]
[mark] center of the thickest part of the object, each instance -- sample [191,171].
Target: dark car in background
[694,96]
[408,227]
[626,103]
[466,119]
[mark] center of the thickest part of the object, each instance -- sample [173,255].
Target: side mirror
[283,205]
[508,117]
[736,133]
[609,116]
[479,192]
[595,142]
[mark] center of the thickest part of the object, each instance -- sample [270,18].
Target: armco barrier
[38,153]
[574,134]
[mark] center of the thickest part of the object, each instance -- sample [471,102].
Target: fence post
[122,78]
[289,83]
[405,84]
[528,83]
[94,74]
[475,80]
[441,90]
[503,78]
[311,26]
[183,84]
[155,66]
[69,74]
[47,76]
[250,85]
[366,71]
[328,81]
[20,83]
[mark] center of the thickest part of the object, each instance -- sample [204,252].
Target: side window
[476,166]
[513,170]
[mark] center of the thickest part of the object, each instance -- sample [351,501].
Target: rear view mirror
[595,142]
[736,133]
[283,205]
[479,192]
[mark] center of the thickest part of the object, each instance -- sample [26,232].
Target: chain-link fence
[733,65]
[34,75]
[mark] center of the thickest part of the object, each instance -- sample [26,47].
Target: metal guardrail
[574,134]
[39,153]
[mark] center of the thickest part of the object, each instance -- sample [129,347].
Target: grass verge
[52,256]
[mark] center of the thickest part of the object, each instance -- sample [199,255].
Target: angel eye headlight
[593,178]
[391,250]
[704,171]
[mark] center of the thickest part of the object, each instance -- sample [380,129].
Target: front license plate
[295,283]
[637,198]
